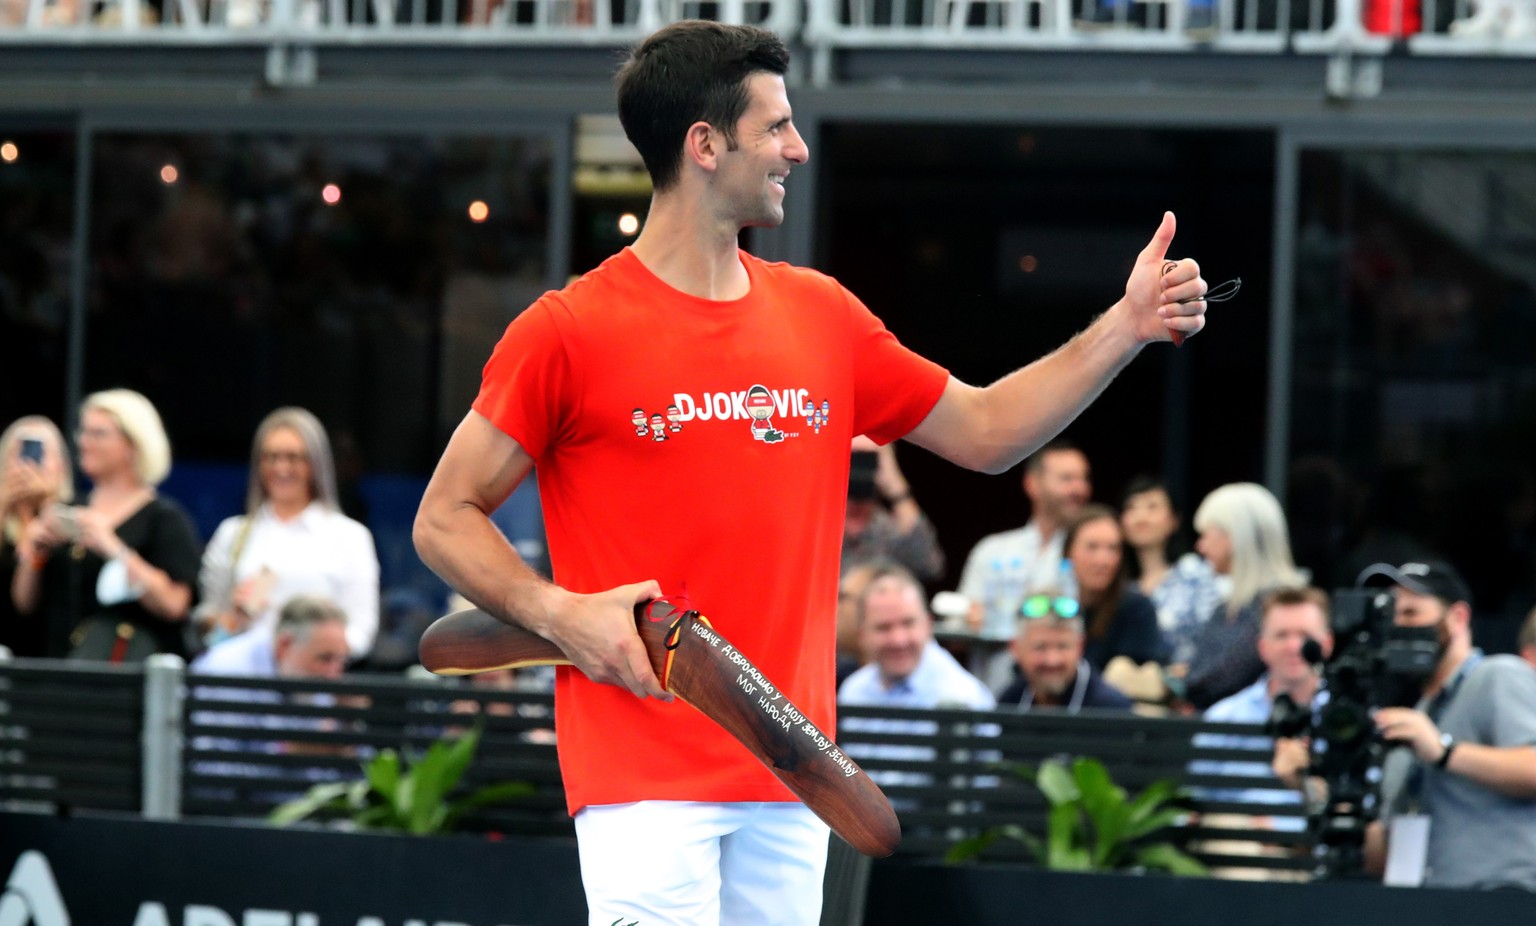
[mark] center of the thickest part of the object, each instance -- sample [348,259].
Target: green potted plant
[1093,825]
[402,794]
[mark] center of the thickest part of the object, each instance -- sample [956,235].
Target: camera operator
[1459,799]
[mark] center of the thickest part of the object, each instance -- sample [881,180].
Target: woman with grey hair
[1243,535]
[292,540]
[112,579]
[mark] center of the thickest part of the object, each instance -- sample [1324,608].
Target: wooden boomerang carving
[697,664]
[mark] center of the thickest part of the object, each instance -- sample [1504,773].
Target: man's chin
[1054,688]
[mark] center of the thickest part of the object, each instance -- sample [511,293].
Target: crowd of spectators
[1085,598]
[1084,608]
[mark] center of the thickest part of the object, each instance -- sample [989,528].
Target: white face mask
[113,586]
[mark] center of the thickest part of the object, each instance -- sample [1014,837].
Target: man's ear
[281,645]
[702,145]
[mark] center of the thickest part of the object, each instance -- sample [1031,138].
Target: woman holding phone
[112,580]
[34,475]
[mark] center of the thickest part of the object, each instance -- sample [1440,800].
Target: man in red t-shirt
[741,510]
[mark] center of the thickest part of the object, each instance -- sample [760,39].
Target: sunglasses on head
[1046,605]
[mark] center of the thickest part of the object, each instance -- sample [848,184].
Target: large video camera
[1374,664]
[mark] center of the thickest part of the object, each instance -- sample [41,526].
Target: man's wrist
[1447,746]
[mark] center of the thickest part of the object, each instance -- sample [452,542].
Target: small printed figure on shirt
[760,407]
[674,419]
[809,411]
[658,428]
[638,418]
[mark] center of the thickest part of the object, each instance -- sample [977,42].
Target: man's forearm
[1508,770]
[463,547]
[991,429]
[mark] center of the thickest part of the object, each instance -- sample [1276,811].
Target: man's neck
[1046,525]
[691,249]
[1302,691]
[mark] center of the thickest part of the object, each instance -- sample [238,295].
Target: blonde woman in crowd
[1243,535]
[34,476]
[113,579]
[292,540]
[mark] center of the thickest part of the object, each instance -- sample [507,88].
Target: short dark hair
[1036,461]
[1140,485]
[1290,596]
[691,71]
[895,572]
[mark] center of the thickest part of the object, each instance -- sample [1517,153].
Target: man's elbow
[424,533]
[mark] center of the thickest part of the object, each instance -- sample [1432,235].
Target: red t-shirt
[741,510]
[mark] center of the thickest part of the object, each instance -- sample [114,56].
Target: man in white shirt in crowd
[906,669]
[1290,617]
[310,641]
[1003,567]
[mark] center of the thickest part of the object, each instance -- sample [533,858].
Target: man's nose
[797,150]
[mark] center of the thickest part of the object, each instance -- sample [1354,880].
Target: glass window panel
[37,201]
[365,278]
[1414,391]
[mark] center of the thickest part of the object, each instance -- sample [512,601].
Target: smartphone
[32,450]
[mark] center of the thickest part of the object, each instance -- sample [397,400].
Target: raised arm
[992,428]
[455,537]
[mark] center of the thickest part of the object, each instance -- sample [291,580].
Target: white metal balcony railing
[1258,26]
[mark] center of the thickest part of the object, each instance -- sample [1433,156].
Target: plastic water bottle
[1066,581]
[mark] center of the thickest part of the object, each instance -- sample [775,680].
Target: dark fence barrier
[236,747]
[71,736]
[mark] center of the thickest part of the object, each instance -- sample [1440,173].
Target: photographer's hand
[1411,728]
[1292,758]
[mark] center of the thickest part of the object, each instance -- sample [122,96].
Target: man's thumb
[1157,248]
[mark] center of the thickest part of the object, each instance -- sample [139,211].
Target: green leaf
[1164,857]
[1153,823]
[1092,779]
[1064,837]
[428,786]
[383,773]
[1057,784]
[377,817]
[330,795]
[1104,802]
[971,847]
[1152,798]
[1031,842]
[459,755]
[490,794]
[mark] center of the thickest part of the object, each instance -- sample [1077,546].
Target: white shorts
[685,863]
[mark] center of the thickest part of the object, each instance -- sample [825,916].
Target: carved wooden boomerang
[695,662]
